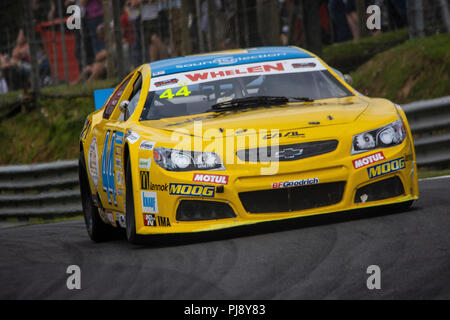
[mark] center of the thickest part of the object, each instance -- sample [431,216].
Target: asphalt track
[318,258]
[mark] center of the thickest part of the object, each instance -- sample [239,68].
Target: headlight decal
[388,136]
[180,160]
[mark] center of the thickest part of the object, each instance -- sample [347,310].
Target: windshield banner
[221,73]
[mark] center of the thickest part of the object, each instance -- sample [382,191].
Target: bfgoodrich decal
[296,183]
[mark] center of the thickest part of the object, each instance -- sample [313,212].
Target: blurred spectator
[17,69]
[134,17]
[45,72]
[97,70]
[398,13]
[163,18]
[128,32]
[338,11]
[152,41]
[177,26]
[94,15]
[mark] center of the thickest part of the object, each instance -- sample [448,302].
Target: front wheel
[132,237]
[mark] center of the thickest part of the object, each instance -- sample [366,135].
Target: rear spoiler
[101,96]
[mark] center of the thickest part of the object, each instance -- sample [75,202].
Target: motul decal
[368,160]
[211,178]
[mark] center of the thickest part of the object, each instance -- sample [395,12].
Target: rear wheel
[98,231]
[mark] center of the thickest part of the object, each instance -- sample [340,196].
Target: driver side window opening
[133,99]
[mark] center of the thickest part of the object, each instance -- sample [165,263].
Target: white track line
[435,178]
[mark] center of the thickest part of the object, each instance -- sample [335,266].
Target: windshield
[198,91]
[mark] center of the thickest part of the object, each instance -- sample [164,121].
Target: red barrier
[45,30]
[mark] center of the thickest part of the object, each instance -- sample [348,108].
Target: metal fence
[52,189]
[41,190]
[40,44]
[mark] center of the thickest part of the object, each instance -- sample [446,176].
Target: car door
[110,134]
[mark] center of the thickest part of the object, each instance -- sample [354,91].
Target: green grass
[348,56]
[49,132]
[425,173]
[415,70]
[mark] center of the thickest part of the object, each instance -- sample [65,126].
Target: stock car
[233,138]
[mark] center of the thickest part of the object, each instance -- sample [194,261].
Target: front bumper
[247,190]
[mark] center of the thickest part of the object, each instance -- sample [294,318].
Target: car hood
[282,117]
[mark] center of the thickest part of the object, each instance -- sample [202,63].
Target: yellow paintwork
[351,115]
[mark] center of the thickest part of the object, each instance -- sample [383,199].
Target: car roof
[225,58]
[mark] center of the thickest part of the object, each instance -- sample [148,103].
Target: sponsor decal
[145,163]
[149,202]
[111,218]
[132,137]
[151,220]
[291,134]
[119,192]
[166,82]
[225,61]
[146,185]
[368,160]
[387,167]
[211,178]
[163,222]
[119,178]
[192,190]
[122,221]
[147,145]
[296,183]
[118,150]
[225,70]
[145,180]
[93,162]
[119,138]
[266,68]
[304,65]
[159,187]
[118,163]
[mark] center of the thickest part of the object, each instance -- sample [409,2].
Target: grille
[289,152]
[293,199]
[194,210]
[384,189]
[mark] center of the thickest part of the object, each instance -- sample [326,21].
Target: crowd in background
[154,30]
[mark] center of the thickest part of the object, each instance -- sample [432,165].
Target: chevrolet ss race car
[239,137]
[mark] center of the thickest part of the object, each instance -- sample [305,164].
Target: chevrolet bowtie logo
[289,153]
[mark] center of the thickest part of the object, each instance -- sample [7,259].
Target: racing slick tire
[130,214]
[98,231]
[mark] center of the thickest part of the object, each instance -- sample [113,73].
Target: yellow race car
[239,137]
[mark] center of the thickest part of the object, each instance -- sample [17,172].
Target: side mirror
[348,78]
[123,106]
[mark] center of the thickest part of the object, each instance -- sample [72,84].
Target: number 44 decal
[168,94]
[108,178]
